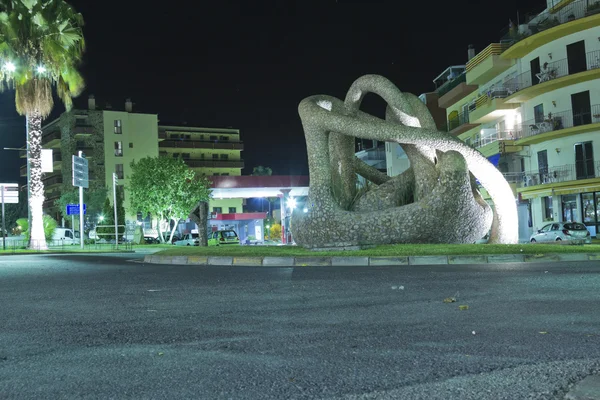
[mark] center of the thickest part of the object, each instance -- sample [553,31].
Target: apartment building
[531,104]
[208,151]
[111,139]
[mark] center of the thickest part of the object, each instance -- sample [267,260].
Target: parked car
[223,237]
[189,239]
[65,236]
[558,231]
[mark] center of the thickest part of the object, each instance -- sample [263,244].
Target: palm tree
[262,171]
[41,44]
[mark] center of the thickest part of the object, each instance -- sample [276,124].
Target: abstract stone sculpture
[435,201]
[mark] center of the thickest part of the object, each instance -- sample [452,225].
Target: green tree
[94,200]
[41,44]
[262,171]
[166,188]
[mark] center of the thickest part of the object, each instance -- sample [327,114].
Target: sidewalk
[367,261]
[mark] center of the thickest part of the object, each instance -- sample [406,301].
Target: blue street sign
[73,209]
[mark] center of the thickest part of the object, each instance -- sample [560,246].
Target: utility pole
[115,183]
[80,211]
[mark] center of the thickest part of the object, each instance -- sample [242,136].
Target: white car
[559,231]
[189,239]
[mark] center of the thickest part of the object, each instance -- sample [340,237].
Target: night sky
[248,64]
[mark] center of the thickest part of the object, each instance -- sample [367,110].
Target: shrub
[49,227]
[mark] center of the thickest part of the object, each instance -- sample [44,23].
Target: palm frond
[36,33]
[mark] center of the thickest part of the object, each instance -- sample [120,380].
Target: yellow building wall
[139,139]
[225,204]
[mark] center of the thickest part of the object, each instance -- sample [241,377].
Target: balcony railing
[550,71]
[557,121]
[53,180]
[561,173]
[448,86]
[561,13]
[495,137]
[56,135]
[202,144]
[460,119]
[214,163]
[492,49]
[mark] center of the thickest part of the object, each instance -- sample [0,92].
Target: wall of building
[225,204]
[139,139]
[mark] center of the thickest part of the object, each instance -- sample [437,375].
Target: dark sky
[248,64]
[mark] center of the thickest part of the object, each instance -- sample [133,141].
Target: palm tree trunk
[37,239]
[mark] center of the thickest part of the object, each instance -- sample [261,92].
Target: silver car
[557,231]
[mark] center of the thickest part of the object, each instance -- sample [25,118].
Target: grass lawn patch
[381,251]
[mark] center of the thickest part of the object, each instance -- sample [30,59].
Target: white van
[65,236]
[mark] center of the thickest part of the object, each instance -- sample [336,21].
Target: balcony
[50,199]
[459,123]
[202,144]
[559,180]
[214,163]
[83,130]
[555,76]
[559,124]
[567,17]
[52,181]
[501,142]
[491,106]
[487,64]
[451,92]
[51,139]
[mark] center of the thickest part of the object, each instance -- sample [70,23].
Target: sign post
[72,210]
[10,194]
[81,179]
[115,182]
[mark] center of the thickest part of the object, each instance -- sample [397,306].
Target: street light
[41,69]
[10,67]
[291,203]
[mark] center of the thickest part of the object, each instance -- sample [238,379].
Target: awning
[548,191]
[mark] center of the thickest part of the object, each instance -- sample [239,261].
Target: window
[538,113]
[213,137]
[202,156]
[118,149]
[232,210]
[185,156]
[547,207]
[118,127]
[225,174]
[224,156]
[224,138]
[569,207]
[119,171]
[130,145]
[218,210]
[175,155]
[584,160]
[215,156]
[174,136]
[554,227]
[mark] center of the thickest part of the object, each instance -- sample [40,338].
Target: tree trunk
[200,216]
[174,229]
[37,239]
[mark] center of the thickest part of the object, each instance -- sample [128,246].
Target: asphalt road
[108,327]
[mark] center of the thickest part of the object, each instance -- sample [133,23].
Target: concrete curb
[307,261]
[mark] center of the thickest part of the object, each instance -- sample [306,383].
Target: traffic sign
[80,172]
[84,183]
[73,209]
[10,192]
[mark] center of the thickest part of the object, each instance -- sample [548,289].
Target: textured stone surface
[434,202]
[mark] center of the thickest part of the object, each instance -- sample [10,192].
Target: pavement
[112,326]
[319,261]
